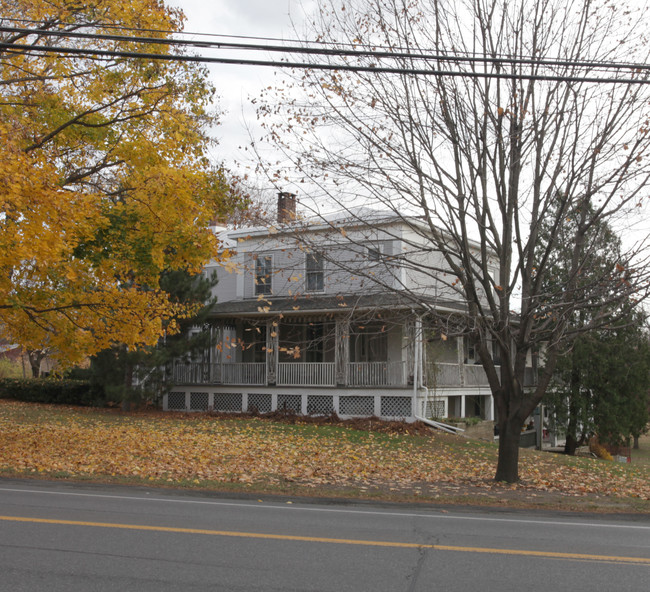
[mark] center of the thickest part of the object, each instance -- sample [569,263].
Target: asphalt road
[72,537]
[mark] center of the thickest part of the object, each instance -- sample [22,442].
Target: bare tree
[251,205]
[492,119]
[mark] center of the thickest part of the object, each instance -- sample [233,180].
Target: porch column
[342,350]
[272,344]
[460,343]
[424,363]
[208,358]
[462,406]
[419,353]
[216,369]
[409,336]
[417,363]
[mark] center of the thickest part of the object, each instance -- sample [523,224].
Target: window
[253,348]
[314,273]
[263,273]
[373,253]
[315,342]
[369,344]
[471,355]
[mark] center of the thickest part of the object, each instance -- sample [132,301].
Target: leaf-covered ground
[265,456]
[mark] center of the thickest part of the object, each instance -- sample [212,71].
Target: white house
[334,316]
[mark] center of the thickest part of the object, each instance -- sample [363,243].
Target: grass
[10,368]
[642,456]
[246,454]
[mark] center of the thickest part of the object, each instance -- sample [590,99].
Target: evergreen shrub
[52,390]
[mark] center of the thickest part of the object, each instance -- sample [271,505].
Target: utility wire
[305,49]
[188,33]
[69,51]
[356,45]
[312,66]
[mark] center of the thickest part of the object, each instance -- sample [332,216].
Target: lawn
[642,456]
[263,456]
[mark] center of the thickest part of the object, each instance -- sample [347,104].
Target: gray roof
[340,303]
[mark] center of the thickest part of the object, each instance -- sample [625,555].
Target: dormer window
[314,272]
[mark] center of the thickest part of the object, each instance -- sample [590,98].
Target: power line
[306,49]
[193,33]
[455,59]
[390,50]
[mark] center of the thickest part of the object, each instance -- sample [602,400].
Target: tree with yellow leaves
[104,180]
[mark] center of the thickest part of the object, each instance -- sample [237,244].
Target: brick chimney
[286,207]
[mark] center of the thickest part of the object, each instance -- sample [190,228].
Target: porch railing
[232,373]
[376,374]
[324,374]
[306,374]
[253,373]
[191,373]
[448,374]
[475,376]
[444,374]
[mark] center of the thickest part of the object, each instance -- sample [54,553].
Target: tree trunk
[508,463]
[35,358]
[36,369]
[571,444]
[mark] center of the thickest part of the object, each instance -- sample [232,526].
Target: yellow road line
[285,537]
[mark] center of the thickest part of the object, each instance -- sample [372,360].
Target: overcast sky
[237,84]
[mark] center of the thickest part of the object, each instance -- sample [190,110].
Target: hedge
[52,390]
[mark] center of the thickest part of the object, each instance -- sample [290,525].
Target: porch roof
[270,306]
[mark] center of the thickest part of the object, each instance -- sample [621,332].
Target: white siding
[351,266]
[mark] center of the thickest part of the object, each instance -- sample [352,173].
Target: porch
[310,351]
[341,364]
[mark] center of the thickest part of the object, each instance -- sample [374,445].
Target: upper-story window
[373,253]
[315,273]
[263,274]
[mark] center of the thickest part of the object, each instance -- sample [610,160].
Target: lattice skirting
[320,405]
[260,402]
[436,408]
[393,407]
[199,401]
[396,407]
[176,402]
[360,406]
[290,403]
[228,402]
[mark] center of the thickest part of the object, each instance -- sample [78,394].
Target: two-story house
[333,315]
